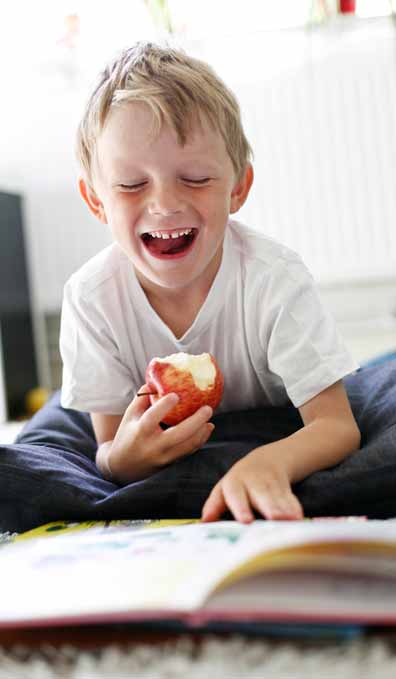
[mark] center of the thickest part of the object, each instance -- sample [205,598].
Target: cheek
[221,210]
[121,211]
[217,204]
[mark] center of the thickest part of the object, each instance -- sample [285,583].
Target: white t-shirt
[262,320]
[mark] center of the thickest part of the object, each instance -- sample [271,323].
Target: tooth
[167,234]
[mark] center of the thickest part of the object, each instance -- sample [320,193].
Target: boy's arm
[262,479]
[330,433]
[105,428]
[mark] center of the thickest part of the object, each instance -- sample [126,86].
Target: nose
[165,200]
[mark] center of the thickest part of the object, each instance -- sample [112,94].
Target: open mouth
[169,244]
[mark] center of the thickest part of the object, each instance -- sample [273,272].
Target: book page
[348,545]
[306,595]
[125,569]
[114,570]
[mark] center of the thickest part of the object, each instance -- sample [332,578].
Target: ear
[92,200]
[241,190]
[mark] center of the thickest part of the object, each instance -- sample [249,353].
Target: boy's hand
[262,480]
[255,482]
[141,447]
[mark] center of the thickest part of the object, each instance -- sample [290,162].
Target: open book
[329,571]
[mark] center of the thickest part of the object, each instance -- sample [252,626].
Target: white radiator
[324,135]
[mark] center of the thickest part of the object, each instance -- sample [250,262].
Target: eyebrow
[201,167]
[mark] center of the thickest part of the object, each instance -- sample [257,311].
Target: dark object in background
[16,327]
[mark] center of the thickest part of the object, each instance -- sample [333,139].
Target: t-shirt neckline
[211,305]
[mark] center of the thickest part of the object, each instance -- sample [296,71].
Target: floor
[9,431]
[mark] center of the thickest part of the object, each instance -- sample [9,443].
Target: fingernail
[208,431]
[246,517]
[207,411]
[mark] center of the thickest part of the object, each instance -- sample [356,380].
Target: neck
[178,307]
[196,291]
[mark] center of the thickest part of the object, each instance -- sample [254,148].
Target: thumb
[140,403]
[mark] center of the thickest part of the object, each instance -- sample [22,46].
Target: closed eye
[196,182]
[132,187]
[186,180]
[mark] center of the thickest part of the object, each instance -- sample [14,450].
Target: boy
[165,162]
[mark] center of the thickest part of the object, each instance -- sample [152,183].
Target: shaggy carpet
[232,658]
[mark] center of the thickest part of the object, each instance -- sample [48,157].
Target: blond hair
[177,87]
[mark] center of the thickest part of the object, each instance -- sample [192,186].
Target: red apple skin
[163,378]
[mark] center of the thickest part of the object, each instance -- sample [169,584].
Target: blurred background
[316,81]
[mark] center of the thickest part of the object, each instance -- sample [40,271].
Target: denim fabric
[49,474]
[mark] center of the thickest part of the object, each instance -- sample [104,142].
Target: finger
[188,428]
[276,503]
[215,505]
[202,436]
[152,417]
[299,510]
[237,500]
[139,404]
[209,429]
[187,447]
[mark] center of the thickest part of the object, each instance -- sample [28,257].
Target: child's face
[166,204]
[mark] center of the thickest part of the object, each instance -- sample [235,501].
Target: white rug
[232,658]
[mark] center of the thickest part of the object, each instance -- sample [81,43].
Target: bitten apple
[197,380]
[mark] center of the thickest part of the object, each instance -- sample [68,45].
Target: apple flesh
[197,380]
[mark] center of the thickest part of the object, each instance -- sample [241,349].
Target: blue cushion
[50,474]
[380,358]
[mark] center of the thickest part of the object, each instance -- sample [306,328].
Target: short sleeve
[95,378]
[305,348]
